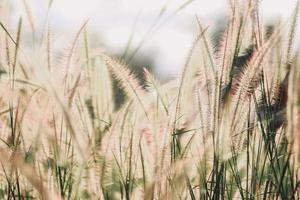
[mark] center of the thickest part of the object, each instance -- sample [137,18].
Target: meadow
[227,128]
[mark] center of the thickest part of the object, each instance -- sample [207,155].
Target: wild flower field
[227,128]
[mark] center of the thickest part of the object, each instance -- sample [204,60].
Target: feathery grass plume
[49,49]
[3,19]
[293,109]
[128,81]
[227,128]
[100,97]
[244,85]
[292,32]
[285,62]
[18,40]
[279,94]
[70,53]
[192,65]
[153,85]
[237,35]
[248,79]
[286,86]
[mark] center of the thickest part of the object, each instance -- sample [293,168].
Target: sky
[115,20]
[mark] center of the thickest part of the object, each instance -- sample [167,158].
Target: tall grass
[227,128]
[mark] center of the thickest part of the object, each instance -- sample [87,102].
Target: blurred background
[156,34]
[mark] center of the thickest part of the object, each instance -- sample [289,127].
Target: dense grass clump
[227,128]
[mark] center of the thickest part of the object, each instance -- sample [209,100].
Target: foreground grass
[228,128]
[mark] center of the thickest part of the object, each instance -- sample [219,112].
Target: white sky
[113,21]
